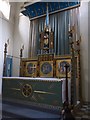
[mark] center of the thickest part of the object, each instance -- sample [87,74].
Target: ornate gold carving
[26,90]
[31,69]
[46,69]
[60,69]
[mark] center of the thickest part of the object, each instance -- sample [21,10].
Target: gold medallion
[27,90]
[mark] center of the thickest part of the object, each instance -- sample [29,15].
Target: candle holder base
[67,111]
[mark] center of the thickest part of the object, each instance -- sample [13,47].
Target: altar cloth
[40,91]
[34,78]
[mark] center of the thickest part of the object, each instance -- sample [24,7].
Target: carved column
[79,69]
[73,92]
[73,71]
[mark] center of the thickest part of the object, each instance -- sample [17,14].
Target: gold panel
[60,69]
[46,69]
[31,69]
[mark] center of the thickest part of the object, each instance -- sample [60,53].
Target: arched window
[5,8]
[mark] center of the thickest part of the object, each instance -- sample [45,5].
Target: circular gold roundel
[26,90]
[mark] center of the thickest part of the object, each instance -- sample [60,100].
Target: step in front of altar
[18,111]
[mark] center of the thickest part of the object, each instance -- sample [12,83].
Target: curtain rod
[56,12]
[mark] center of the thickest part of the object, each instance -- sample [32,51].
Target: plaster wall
[6,32]
[21,37]
[84,49]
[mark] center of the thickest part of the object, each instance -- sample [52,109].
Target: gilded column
[72,74]
[73,71]
[79,69]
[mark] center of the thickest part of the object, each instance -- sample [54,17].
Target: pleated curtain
[60,24]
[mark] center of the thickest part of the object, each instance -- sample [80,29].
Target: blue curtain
[59,23]
[8,67]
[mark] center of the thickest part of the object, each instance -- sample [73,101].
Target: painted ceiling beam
[38,9]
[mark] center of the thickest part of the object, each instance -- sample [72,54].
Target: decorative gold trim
[15,89]
[26,90]
[34,69]
[62,57]
[29,59]
[43,92]
[59,67]
[48,74]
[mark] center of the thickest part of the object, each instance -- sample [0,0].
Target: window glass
[5,8]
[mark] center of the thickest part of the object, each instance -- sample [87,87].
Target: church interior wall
[1,54]
[84,49]
[6,33]
[18,34]
[21,37]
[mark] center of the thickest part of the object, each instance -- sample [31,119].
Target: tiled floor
[83,113]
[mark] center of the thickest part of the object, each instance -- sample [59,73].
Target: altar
[42,92]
